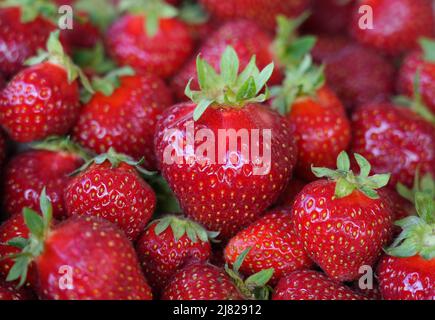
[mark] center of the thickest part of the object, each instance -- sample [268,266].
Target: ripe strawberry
[289,194]
[312,285]
[226,190]
[97,256]
[9,292]
[262,12]
[43,99]
[397,24]
[343,222]
[123,114]
[274,244]
[169,244]
[49,166]
[321,127]
[406,272]
[151,40]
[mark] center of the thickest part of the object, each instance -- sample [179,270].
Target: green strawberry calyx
[181,226]
[425,184]
[101,12]
[228,88]
[347,181]
[94,59]
[253,287]
[62,144]
[32,9]
[192,13]
[428,47]
[418,232]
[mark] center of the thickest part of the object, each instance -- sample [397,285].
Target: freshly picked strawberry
[342,221]
[321,127]
[312,285]
[43,99]
[149,38]
[274,244]
[406,272]
[229,183]
[48,165]
[168,245]
[9,292]
[78,259]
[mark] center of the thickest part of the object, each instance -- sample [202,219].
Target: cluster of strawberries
[96,207]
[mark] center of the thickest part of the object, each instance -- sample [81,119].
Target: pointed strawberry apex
[31,9]
[347,181]
[425,184]
[57,143]
[229,88]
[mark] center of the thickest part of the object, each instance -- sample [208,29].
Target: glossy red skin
[8,291]
[411,278]
[201,282]
[397,24]
[16,42]
[262,12]
[161,257]
[341,234]
[161,55]
[28,173]
[322,131]
[274,244]
[103,261]
[245,37]
[226,197]
[405,83]
[289,194]
[39,102]
[312,285]
[126,120]
[394,139]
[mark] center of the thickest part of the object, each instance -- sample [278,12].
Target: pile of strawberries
[106,194]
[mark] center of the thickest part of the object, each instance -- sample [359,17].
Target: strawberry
[123,114]
[43,99]
[321,127]
[406,271]
[84,33]
[97,256]
[169,244]
[342,221]
[150,40]
[262,12]
[9,292]
[274,244]
[225,193]
[289,194]
[397,24]
[47,165]
[312,285]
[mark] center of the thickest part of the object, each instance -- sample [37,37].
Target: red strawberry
[43,99]
[262,12]
[289,194]
[81,258]
[397,24]
[406,272]
[273,243]
[9,292]
[151,41]
[169,244]
[312,285]
[123,115]
[342,222]
[84,33]
[49,166]
[226,190]
[322,129]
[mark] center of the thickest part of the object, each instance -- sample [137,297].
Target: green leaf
[34,222]
[200,109]
[405,192]
[428,46]
[260,278]
[237,264]
[372,194]
[343,162]
[363,164]
[408,248]
[247,90]
[191,233]
[46,207]
[320,172]
[378,181]
[18,242]
[162,225]
[425,206]
[229,65]
[54,46]
[19,269]
[343,188]
[263,77]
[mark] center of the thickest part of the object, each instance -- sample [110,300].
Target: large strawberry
[321,127]
[229,183]
[81,258]
[406,272]
[342,221]
[110,186]
[150,40]
[43,99]
[397,24]
[47,165]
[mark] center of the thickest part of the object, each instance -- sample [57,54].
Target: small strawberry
[343,222]
[151,40]
[312,285]
[97,256]
[397,24]
[169,244]
[9,292]
[321,127]
[43,99]
[274,244]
